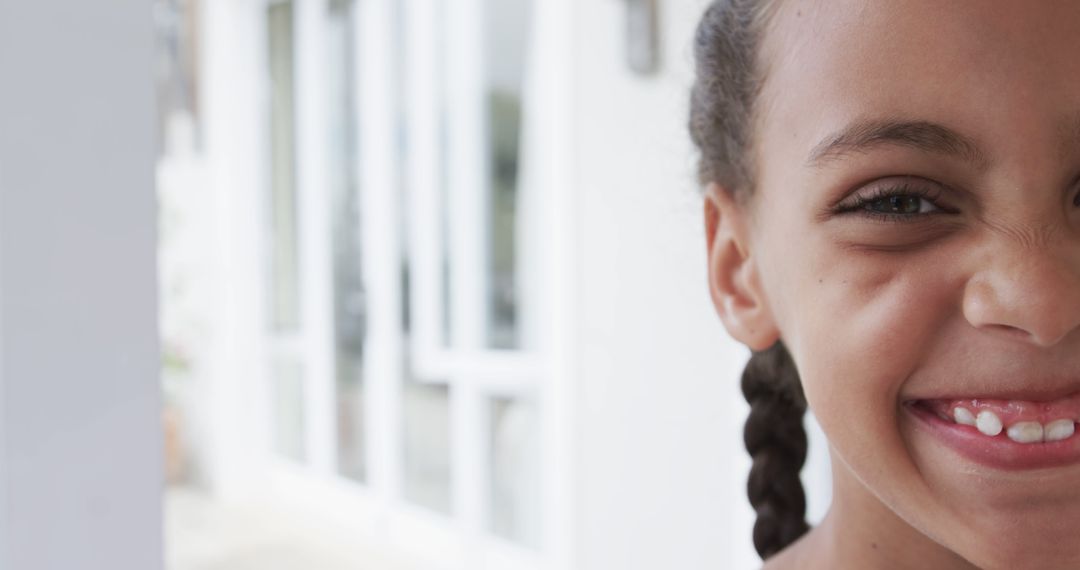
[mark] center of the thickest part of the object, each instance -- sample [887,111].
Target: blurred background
[432,291]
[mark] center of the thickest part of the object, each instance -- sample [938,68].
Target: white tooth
[1026,432]
[1058,430]
[988,422]
[963,416]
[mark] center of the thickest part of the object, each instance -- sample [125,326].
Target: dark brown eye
[904,202]
[900,204]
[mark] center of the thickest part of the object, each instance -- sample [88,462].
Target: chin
[999,507]
[1022,545]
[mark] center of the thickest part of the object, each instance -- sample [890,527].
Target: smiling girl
[892,207]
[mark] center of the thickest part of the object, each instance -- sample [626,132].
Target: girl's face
[914,239]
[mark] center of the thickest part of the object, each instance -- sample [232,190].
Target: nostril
[1010,330]
[1024,335]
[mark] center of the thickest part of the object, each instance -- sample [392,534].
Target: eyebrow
[865,135]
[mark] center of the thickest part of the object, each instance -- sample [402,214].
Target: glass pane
[288,390]
[351,451]
[400,142]
[284,271]
[506,29]
[349,298]
[427,445]
[444,111]
[515,471]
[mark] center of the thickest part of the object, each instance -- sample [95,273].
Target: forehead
[1005,73]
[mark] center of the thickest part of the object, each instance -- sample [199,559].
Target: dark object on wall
[643,36]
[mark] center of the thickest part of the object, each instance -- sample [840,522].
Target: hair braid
[776,440]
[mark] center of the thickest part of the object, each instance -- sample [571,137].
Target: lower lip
[998,452]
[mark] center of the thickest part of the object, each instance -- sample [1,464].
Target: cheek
[858,324]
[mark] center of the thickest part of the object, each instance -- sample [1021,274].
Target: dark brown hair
[728,79]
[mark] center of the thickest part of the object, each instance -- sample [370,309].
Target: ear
[734,282]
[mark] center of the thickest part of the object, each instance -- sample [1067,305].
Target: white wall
[661,466]
[80,428]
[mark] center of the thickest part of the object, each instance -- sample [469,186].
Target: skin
[980,297]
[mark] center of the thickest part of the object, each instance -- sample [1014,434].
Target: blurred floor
[202,534]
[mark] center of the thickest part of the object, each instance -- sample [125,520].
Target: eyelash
[859,207]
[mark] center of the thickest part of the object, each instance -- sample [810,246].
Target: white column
[382,248]
[236,390]
[316,241]
[80,428]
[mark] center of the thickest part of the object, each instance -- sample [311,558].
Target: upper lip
[1027,391]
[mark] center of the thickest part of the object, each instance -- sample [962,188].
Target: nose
[1031,293]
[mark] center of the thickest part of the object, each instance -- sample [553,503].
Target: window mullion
[381,246]
[315,239]
[468,255]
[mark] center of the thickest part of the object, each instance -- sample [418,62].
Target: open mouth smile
[1005,434]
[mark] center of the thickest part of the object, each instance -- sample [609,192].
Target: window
[389,361]
[470,343]
[287,362]
[349,297]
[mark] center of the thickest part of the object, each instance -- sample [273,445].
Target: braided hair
[721,109]
[775,437]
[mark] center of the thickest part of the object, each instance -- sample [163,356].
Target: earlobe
[734,283]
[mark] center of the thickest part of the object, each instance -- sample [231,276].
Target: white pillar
[80,438]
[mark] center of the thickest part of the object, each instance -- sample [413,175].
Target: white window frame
[539,373]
